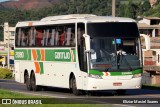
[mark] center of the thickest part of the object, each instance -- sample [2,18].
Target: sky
[7,0]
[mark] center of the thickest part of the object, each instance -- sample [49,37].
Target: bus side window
[24,41]
[68,36]
[43,37]
[72,40]
[32,34]
[34,37]
[62,37]
[19,37]
[39,38]
[56,38]
[53,35]
[47,36]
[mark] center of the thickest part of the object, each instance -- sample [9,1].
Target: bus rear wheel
[28,83]
[33,83]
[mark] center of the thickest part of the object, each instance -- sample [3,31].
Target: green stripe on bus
[74,52]
[137,71]
[29,54]
[22,54]
[38,54]
[96,72]
[41,66]
[63,55]
[116,73]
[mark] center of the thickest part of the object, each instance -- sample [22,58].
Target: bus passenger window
[19,37]
[56,38]
[72,40]
[47,37]
[24,41]
[53,35]
[34,37]
[61,38]
[39,38]
[43,37]
[68,36]
[32,34]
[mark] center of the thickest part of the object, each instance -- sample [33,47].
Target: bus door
[82,56]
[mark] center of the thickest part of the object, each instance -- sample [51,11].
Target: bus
[80,52]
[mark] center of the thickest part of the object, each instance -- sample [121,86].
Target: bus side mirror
[87,42]
[147,41]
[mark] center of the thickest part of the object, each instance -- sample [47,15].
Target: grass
[5,73]
[9,94]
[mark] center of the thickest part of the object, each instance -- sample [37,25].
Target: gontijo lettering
[62,55]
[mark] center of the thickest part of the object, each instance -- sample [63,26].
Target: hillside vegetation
[98,7]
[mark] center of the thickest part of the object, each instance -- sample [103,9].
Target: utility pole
[113,8]
[6,25]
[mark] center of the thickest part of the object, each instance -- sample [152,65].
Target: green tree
[145,6]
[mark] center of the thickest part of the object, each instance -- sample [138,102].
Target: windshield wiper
[130,68]
[118,60]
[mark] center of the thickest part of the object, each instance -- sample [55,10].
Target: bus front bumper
[102,84]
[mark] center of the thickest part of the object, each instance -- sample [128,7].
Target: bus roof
[72,18]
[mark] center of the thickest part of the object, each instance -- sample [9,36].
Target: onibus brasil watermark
[21,101]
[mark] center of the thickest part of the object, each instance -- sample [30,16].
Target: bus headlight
[137,75]
[95,76]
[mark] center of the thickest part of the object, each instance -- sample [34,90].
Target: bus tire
[75,91]
[27,82]
[33,83]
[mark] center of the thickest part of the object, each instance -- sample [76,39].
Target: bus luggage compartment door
[17,72]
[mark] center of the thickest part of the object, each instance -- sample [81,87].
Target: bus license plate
[117,84]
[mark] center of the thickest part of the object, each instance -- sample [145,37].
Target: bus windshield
[114,53]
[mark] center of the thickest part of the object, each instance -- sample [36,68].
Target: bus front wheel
[74,87]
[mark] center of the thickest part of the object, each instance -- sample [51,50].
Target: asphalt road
[103,97]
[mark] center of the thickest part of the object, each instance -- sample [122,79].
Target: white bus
[81,52]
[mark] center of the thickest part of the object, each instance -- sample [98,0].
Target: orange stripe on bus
[42,55]
[34,53]
[37,67]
